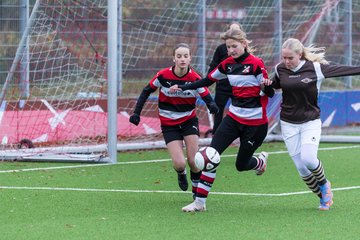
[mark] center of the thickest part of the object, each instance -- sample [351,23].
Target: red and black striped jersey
[176,108]
[245,73]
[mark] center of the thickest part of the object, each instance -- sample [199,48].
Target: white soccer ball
[207,159]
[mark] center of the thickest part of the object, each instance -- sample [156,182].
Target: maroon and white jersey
[245,74]
[176,108]
[300,88]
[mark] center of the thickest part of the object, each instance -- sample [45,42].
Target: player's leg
[224,136]
[174,144]
[310,139]
[306,175]
[292,138]
[220,100]
[251,138]
[191,138]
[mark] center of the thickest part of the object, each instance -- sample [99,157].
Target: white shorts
[296,135]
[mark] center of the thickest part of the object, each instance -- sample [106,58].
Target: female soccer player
[299,75]
[177,112]
[247,113]
[223,90]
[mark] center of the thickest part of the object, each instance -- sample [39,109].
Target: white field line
[174,192]
[147,161]
[161,191]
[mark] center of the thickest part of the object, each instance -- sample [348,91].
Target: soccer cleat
[194,207]
[327,196]
[263,156]
[183,183]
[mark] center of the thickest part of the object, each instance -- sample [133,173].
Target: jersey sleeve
[334,70]
[275,79]
[261,72]
[203,91]
[218,73]
[154,82]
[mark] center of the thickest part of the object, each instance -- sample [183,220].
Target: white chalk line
[166,191]
[146,161]
[161,191]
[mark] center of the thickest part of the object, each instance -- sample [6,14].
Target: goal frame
[78,153]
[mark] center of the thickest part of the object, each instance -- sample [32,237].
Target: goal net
[148,41]
[54,97]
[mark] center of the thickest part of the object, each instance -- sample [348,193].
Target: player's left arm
[336,70]
[210,103]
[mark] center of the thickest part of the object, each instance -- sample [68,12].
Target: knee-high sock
[204,187]
[312,184]
[195,179]
[306,175]
[319,174]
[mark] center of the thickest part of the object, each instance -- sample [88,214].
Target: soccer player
[299,76]
[177,112]
[247,113]
[223,90]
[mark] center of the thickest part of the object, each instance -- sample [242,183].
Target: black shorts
[251,137]
[172,133]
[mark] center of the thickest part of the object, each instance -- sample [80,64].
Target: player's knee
[240,166]
[308,158]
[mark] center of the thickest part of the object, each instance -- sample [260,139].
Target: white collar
[302,62]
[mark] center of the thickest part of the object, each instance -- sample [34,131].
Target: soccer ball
[207,159]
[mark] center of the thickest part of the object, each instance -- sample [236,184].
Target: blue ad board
[340,108]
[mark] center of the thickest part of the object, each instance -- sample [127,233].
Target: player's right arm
[205,82]
[135,117]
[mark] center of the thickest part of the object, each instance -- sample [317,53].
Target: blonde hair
[238,35]
[310,53]
[227,27]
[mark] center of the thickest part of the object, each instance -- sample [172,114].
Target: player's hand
[175,88]
[135,119]
[266,81]
[213,108]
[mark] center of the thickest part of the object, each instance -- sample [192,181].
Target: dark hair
[184,45]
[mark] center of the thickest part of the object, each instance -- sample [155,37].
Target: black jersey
[300,88]
[221,53]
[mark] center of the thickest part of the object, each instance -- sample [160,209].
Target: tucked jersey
[176,108]
[245,74]
[300,88]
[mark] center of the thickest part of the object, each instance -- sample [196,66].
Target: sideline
[147,161]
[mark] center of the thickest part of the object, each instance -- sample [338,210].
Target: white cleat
[194,207]
[263,156]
